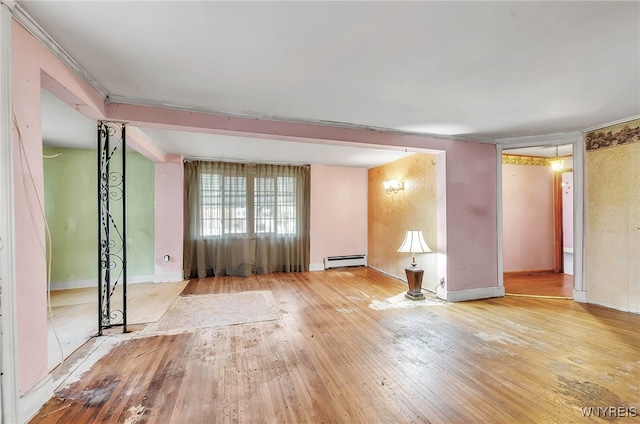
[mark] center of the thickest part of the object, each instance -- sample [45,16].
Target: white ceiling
[62,126]
[483,70]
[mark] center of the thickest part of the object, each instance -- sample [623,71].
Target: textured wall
[613,217]
[567,210]
[527,196]
[71,206]
[391,215]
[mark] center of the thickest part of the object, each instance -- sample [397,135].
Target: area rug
[400,302]
[219,310]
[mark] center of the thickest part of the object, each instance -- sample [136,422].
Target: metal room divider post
[112,226]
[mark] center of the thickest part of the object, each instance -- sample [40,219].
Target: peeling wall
[391,215]
[612,240]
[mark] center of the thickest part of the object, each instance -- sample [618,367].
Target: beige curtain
[244,219]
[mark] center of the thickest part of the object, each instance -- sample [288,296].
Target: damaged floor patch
[400,302]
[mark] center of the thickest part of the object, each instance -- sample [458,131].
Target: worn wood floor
[546,284]
[75,313]
[330,358]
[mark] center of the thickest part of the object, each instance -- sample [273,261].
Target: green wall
[72,208]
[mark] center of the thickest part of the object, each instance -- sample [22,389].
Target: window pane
[210,204]
[286,206]
[264,205]
[235,205]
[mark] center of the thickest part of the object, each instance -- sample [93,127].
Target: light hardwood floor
[75,313]
[330,358]
[544,284]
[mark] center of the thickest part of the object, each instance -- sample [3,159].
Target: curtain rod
[233,160]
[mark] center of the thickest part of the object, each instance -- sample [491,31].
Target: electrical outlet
[442,281]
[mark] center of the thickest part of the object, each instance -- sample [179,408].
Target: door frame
[576,139]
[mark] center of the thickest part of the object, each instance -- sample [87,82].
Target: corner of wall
[316,267]
[470,294]
[30,403]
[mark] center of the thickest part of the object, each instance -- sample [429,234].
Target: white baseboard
[580,296]
[470,294]
[316,267]
[79,284]
[30,403]
[173,277]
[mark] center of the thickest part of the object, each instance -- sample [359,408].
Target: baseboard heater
[344,261]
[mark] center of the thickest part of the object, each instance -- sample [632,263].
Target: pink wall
[169,183]
[471,240]
[470,187]
[33,68]
[338,212]
[567,209]
[31,288]
[527,196]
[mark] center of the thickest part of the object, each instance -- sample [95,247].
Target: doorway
[537,212]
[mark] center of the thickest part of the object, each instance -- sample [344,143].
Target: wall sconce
[393,186]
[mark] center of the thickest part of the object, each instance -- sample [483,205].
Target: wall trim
[540,140]
[9,401]
[24,19]
[525,160]
[579,296]
[610,124]
[624,134]
[79,284]
[579,227]
[471,294]
[31,402]
[499,215]
[316,267]
[172,277]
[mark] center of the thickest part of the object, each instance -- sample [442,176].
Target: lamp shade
[414,243]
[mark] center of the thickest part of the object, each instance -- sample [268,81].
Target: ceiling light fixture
[557,164]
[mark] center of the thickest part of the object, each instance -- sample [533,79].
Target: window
[244,219]
[228,203]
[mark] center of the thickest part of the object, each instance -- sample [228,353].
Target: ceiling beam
[180,120]
[139,141]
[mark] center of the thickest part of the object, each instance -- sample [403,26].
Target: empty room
[319,212]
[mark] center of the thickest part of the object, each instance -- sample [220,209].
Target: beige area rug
[400,302]
[218,310]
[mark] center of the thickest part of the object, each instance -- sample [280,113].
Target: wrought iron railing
[112,226]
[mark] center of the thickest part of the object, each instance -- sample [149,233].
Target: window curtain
[244,219]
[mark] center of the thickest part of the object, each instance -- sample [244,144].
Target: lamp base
[414,278]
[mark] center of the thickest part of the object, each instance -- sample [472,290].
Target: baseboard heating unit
[344,261]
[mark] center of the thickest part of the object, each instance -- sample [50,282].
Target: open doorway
[537,199]
[69,165]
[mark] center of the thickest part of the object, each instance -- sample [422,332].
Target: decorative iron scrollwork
[112,224]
